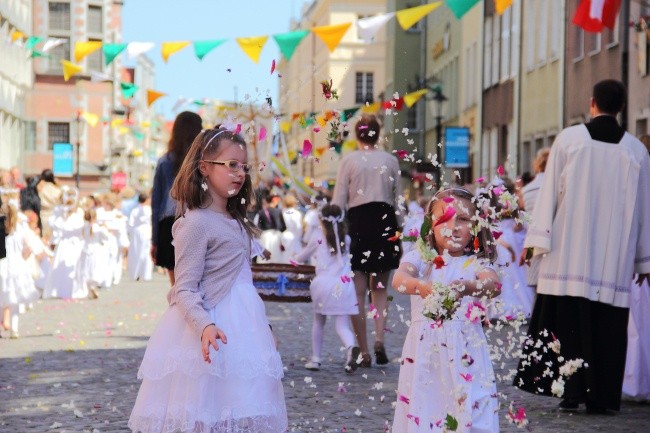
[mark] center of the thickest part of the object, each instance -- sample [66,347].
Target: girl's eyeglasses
[232,164]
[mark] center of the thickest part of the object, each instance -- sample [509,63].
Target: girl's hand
[209,338]
[424,289]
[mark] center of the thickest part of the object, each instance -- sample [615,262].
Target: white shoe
[312,366]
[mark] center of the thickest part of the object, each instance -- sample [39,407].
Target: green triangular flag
[32,41]
[460,7]
[138,135]
[111,51]
[288,42]
[199,103]
[128,90]
[349,113]
[36,54]
[201,48]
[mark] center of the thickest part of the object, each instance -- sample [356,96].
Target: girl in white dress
[212,365]
[139,263]
[292,236]
[116,223]
[332,290]
[636,382]
[16,283]
[446,375]
[67,225]
[91,266]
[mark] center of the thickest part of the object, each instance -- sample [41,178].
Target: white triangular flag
[98,77]
[134,49]
[52,43]
[180,102]
[367,28]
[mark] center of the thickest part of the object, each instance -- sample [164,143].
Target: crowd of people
[498,250]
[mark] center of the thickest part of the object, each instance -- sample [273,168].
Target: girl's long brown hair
[187,191]
[186,127]
[332,210]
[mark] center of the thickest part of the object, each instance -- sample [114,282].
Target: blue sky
[184,75]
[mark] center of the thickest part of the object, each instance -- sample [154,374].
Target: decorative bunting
[135,49]
[367,28]
[91,118]
[285,127]
[202,48]
[332,35]
[169,48]
[413,97]
[288,42]
[461,7]
[502,5]
[98,77]
[253,46]
[152,96]
[408,17]
[180,102]
[111,51]
[70,69]
[36,54]
[82,49]
[32,41]
[53,43]
[128,89]
[17,35]
[371,108]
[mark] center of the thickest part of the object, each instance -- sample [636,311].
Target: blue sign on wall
[62,163]
[456,147]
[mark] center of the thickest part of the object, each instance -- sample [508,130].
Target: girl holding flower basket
[446,379]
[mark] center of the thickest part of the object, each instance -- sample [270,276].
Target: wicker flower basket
[283,282]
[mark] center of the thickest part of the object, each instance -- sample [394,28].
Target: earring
[204,184]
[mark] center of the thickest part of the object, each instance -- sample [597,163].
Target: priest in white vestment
[591,224]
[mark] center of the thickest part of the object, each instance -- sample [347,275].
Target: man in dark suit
[270,216]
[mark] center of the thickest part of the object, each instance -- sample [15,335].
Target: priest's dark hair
[609,96]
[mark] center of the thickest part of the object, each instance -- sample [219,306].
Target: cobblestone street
[74,370]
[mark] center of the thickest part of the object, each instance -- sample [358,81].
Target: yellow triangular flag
[285,127]
[116,122]
[502,5]
[408,17]
[252,46]
[123,130]
[82,49]
[152,95]
[17,35]
[169,48]
[412,98]
[332,35]
[371,108]
[321,121]
[90,118]
[70,69]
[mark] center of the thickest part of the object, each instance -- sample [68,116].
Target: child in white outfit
[446,369]
[332,290]
[139,263]
[191,383]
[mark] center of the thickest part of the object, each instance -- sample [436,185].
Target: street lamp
[438,98]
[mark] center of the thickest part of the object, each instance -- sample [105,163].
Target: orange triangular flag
[252,46]
[169,48]
[82,49]
[152,95]
[70,69]
[408,17]
[502,5]
[332,35]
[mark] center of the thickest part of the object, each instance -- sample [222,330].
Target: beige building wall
[15,80]
[469,95]
[312,62]
[541,107]
[639,73]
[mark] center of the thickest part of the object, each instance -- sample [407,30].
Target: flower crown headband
[332,219]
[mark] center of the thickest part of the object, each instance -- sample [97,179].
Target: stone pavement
[74,370]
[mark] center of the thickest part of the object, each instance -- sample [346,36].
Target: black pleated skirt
[370,226]
[164,248]
[588,330]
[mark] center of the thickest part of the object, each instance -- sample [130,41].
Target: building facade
[638,121]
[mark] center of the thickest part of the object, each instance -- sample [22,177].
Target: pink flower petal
[449,214]
[500,171]
[306,148]
[262,133]
[272,66]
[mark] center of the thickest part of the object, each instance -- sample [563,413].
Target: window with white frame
[95,27]
[530,34]
[59,28]
[592,42]
[541,35]
[364,87]
[30,135]
[555,28]
[487,60]
[57,132]
[506,23]
[514,38]
[496,46]
[578,43]
[611,36]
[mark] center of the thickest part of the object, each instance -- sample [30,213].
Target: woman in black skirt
[163,208]
[367,185]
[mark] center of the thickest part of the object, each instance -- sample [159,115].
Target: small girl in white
[332,290]
[446,368]
[139,263]
[91,265]
[191,383]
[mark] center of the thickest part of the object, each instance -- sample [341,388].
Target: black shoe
[596,409]
[380,354]
[352,362]
[569,405]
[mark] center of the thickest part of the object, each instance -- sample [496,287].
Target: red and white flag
[594,15]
